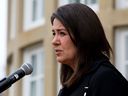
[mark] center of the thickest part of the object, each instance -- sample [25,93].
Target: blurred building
[29,40]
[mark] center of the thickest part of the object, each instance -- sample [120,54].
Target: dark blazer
[103,80]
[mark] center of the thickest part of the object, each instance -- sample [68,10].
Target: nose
[55,40]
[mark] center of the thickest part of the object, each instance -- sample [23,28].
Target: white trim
[121,4]
[34,25]
[63,2]
[95,7]
[11,89]
[120,50]
[27,53]
[13,23]
[59,86]
[28,23]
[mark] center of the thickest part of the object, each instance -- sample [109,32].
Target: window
[11,89]
[121,50]
[121,4]
[13,19]
[33,13]
[58,78]
[91,3]
[33,85]
[73,1]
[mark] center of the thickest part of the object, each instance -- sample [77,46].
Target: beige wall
[24,39]
[112,18]
[109,16]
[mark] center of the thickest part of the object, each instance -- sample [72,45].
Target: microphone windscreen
[27,68]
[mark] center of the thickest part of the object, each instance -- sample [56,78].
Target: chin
[61,61]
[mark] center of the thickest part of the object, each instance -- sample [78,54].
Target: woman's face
[65,49]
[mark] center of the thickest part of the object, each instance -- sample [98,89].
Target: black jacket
[103,80]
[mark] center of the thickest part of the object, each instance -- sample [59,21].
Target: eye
[62,33]
[53,33]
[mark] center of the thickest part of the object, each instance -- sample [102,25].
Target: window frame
[121,4]
[95,7]
[28,23]
[27,53]
[13,17]
[120,50]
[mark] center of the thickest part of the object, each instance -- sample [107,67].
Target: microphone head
[27,68]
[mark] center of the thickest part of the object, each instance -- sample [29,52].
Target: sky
[3,32]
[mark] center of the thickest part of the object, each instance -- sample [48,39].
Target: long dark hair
[87,34]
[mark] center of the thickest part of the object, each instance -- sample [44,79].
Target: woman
[82,49]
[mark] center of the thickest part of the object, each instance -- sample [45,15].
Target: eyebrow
[58,30]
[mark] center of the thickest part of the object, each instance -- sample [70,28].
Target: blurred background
[26,37]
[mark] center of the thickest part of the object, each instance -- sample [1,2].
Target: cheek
[70,50]
[69,47]
[70,56]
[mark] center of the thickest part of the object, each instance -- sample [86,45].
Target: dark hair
[87,34]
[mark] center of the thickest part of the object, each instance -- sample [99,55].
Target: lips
[58,51]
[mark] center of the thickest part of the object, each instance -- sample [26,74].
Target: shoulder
[107,71]
[108,80]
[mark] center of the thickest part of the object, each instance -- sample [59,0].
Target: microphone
[25,69]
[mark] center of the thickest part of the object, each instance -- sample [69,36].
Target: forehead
[57,24]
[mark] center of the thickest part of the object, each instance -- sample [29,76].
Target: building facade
[29,40]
